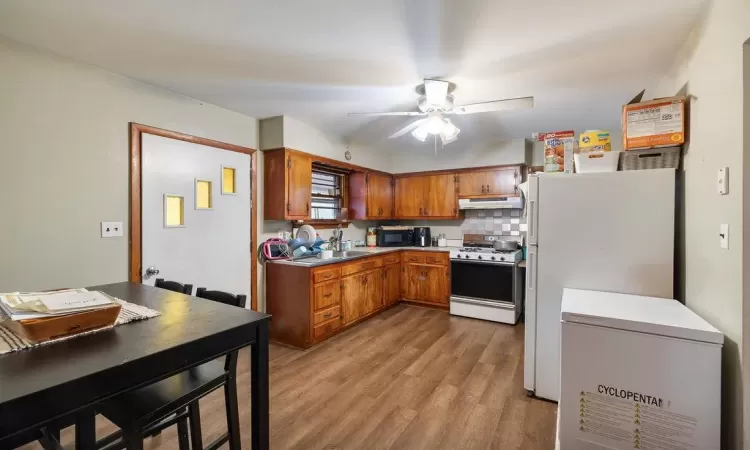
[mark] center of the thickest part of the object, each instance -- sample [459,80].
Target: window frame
[343,219]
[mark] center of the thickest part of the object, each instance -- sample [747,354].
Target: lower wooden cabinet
[361,294]
[309,305]
[425,278]
[391,284]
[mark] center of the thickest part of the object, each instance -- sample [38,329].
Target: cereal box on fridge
[558,151]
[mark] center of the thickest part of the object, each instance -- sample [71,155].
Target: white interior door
[204,247]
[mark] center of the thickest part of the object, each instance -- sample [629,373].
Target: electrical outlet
[111,229]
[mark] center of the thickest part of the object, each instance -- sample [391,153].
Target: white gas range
[486,283]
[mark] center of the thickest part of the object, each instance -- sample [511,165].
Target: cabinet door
[435,285]
[440,196]
[414,279]
[374,291]
[353,293]
[504,181]
[299,185]
[409,196]
[391,284]
[379,196]
[472,184]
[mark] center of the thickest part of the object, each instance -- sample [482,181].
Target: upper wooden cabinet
[426,196]
[370,196]
[502,181]
[287,185]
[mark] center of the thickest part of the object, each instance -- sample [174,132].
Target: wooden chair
[149,410]
[174,286]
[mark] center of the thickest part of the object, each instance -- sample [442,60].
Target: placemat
[130,312]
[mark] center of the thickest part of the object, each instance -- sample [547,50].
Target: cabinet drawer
[326,273]
[326,328]
[361,266]
[392,258]
[437,258]
[327,314]
[414,257]
[327,294]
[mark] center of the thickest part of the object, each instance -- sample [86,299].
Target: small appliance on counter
[486,282]
[422,237]
[395,236]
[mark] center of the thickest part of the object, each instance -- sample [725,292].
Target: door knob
[151,271]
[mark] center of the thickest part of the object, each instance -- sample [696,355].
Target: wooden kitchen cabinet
[312,304]
[425,277]
[287,185]
[370,196]
[391,284]
[502,181]
[426,197]
[425,283]
[361,294]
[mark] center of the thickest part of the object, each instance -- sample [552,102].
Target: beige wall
[710,65]
[64,163]
[418,158]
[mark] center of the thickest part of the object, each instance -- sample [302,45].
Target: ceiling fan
[436,101]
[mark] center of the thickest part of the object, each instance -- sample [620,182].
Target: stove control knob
[466,256]
[493,258]
[502,258]
[479,257]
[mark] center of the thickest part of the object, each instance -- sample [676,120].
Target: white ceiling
[316,60]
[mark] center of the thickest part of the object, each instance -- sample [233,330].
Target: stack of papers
[39,305]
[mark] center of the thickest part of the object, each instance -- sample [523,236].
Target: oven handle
[473,261]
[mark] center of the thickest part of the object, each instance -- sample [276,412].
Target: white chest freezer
[637,372]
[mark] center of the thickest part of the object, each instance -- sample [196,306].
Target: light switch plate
[724,235]
[111,229]
[723,181]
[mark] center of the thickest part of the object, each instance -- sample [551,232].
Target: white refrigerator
[637,372]
[609,232]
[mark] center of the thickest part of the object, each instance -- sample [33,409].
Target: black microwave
[395,238]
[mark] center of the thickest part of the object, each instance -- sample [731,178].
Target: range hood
[491,203]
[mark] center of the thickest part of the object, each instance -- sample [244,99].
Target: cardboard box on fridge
[654,123]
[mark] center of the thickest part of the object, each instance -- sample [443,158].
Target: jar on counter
[372,237]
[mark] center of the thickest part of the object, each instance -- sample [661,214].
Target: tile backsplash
[506,222]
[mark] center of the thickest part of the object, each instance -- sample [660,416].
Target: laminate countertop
[369,251]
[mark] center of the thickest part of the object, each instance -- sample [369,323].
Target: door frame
[135,189]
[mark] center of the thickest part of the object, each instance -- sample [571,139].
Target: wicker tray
[39,330]
[654,158]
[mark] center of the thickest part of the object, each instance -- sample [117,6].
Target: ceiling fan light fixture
[420,133]
[450,131]
[435,124]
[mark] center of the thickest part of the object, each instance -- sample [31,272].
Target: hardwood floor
[409,378]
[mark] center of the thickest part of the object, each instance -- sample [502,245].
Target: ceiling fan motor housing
[426,107]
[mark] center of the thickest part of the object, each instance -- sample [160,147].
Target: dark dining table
[49,384]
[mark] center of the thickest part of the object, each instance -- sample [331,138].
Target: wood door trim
[136,194]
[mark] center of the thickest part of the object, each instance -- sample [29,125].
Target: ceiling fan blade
[436,92]
[495,105]
[407,129]
[399,113]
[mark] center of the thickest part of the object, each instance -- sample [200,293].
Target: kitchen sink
[350,253]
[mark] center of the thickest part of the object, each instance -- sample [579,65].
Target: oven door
[491,282]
